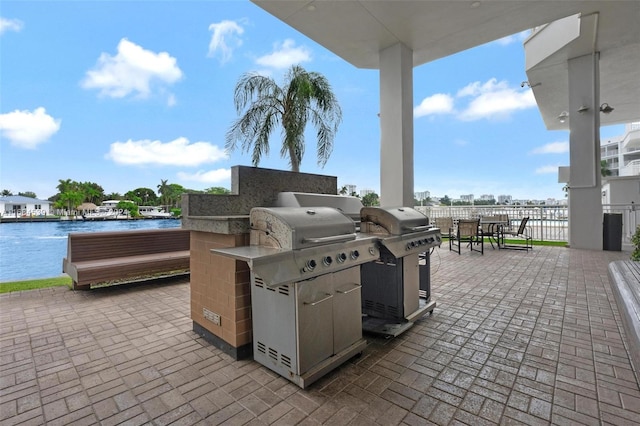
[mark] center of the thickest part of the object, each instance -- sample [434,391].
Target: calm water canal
[35,250]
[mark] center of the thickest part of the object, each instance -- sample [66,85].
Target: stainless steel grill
[305,289]
[396,288]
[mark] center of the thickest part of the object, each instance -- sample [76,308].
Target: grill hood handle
[418,228]
[330,239]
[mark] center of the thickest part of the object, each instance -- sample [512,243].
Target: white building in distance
[622,153]
[20,206]
[505,199]
[422,195]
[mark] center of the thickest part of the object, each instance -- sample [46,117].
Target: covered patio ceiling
[357,30]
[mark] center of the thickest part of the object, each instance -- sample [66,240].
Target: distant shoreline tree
[604,168]
[216,190]
[371,199]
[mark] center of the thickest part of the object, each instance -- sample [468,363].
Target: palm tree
[305,96]
[70,199]
[604,168]
[164,190]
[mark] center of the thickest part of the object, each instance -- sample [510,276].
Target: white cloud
[178,152]
[440,103]
[212,176]
[132,71]
[10,25]
[493,99]
[27,129]
[225,39]
[552,148]
[545,170]
[285,55]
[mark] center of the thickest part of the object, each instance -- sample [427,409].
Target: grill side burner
[393,284]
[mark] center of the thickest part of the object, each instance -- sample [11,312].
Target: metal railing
[547,223]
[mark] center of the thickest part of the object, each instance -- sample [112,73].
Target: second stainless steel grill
[396,288]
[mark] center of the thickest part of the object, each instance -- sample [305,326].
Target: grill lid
[299,227]
[392,220]
[346,204]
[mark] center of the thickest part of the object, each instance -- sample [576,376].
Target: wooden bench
[625,281]
[96,259]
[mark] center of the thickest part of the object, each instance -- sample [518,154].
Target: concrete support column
[585,201]
[396,126]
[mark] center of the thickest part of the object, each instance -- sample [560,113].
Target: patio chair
[445,224]
[523,234]
[506,222]
[467,231]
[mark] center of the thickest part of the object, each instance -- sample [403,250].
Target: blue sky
[128,93]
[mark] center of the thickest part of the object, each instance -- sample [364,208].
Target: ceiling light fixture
[605,108]
[475,4]
[563,116]
[583,109]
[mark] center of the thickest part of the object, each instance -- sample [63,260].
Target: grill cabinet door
[315,323]
[347,309]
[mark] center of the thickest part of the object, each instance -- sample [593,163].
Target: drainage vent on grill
[380,308]
[257,281]
[283,289]
[273,354]
[286,361]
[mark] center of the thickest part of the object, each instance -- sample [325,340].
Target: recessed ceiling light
[475,4]
[311,7]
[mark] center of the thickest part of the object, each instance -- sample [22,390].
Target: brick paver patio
[516,338]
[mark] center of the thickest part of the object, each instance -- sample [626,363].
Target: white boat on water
[101,213]
[154,212]
[107,211]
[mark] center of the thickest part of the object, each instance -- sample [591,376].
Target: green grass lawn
[534,242]
[539,243]
[34,284]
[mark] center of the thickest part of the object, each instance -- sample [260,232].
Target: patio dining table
[495,227]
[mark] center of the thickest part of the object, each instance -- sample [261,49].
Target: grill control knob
[341,257]
[408,246]
[327,260]
[311,264]
[355,254]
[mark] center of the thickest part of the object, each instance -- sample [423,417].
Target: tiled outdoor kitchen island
[220,287]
